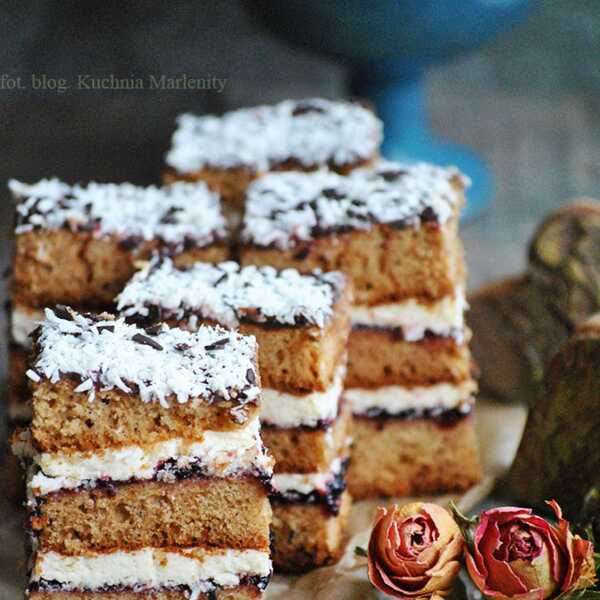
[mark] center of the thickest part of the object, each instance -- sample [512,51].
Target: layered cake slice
[301,323]
[230,151]
[77,244]
[147,473]
[392,229]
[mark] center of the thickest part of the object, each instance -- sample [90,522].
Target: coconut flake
[184,369]
[228,294]
[313,132]
[173,214]
[284,208]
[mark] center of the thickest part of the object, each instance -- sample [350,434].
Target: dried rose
[517,554]
[414,551]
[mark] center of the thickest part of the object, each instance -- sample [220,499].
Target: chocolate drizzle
[230,295]
[286,210]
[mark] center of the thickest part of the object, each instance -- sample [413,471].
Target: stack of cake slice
[77,245]
[230,151]
[148,476]
[393,230]
[302,324]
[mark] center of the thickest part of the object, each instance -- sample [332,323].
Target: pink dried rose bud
[414,551]
[519,555]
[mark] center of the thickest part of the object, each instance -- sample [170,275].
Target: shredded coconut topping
[312,132]
[228,294]
[174,214]
[158,363]
[287,207]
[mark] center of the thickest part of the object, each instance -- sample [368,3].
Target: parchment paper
[499,430]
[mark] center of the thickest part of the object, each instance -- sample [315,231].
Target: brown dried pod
[520,322]
[559,455]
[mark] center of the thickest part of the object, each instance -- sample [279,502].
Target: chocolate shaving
[333,194]
[391,176]
[222,278]
[146,341]
[305,107]
[154,329]
[170,218]
[250,376]
[102,328]
[217,345]
[63,312]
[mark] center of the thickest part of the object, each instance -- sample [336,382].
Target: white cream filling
[288,410]
[305,483]
[152,568]
[22,323]
[415,318]
[395,399]
[220,453]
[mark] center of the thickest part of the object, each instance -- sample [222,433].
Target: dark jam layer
[166,472]
[256,581]
[439,415]
[455,334]
[330,499]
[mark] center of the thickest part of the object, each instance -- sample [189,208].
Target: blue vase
[388,44]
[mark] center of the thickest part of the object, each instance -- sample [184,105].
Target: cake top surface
[171,213]
[156,363]
[229,294]
[285,208]
[313,132]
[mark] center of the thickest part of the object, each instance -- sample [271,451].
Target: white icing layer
[152,568]
[217,453]
[414,318]
[22,323]
[289,410]
[395,399]
[200,366]
[228,293]
[312,132]
[171,213]
[284,208]
[305,483]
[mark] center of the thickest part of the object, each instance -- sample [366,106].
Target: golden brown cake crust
[64,420]
[302,359]
[240,592]
[385,264]
[224,513]
[305,450]
[306,536]
[61,267]
[403,457]
[379,357]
